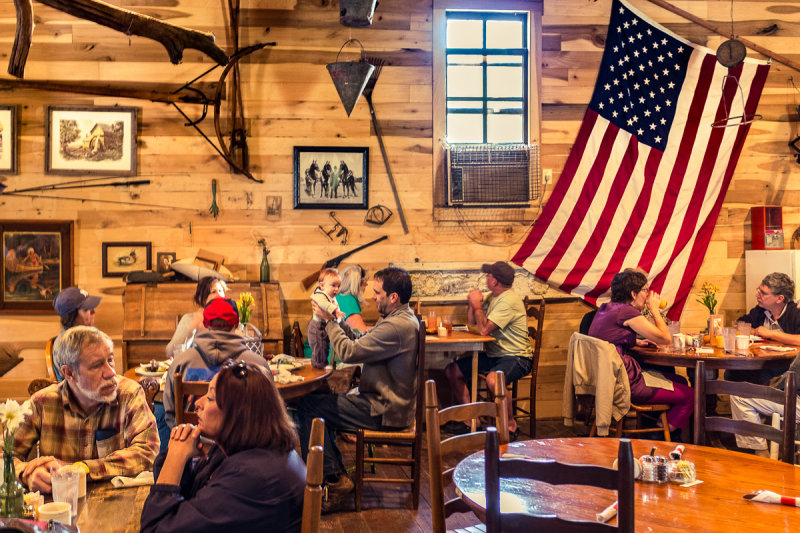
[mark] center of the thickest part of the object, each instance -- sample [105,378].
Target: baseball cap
[501,271]
[221,313]
[72,298]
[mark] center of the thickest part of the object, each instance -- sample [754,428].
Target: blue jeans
[343,412]
[512,367]
[161,423]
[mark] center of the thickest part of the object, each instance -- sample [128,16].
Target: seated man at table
[505,320]
[94,416]
[211,347]
[751,409]
[775,318]
[386,393]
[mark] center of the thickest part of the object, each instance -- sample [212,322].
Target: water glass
[65,482]
[729,339]
[743,328]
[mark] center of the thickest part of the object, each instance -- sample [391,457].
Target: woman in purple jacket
[620,321]
[250,480]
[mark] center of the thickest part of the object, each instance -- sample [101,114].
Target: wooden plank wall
[291,101]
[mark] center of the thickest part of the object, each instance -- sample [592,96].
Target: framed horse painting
[331,177]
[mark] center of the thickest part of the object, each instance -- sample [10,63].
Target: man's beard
[94,395]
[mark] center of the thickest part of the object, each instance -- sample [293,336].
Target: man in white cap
[501,315]
[75,307]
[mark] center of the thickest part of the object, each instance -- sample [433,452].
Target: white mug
[678,341]
[743,342]
[56,511]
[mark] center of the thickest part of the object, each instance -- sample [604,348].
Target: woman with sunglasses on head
[251,479]
[620,321]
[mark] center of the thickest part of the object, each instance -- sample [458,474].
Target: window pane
[501,106]
[504,129]
[464,59]
[464,128]
[506,60]
[464,81]
[503,34]
[464,34]
[464,104]
[504,82]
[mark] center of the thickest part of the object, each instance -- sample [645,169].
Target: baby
[325,297]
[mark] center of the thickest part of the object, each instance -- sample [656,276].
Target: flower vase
[252,338]
[12,504]
[715,323]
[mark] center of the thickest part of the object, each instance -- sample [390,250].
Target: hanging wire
[728,121]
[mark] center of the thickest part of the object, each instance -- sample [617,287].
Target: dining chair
[48,359]
[458,444]
[312,496]
[410,438]
[579,385]
[787,398]
[554,473]
[38,384]
[151,386]
[182,390]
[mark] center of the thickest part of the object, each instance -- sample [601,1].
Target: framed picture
[90,140]
[37,264]
[119,258]
[331,177]
[163,261]
[8,139]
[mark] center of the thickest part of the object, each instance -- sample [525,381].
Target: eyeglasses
[645,290]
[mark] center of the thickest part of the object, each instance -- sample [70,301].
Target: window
[486,77]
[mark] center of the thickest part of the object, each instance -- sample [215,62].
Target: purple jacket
[251,491]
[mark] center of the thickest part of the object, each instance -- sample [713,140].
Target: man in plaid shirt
[94,416]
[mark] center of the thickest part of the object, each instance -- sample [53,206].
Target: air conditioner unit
[484,175]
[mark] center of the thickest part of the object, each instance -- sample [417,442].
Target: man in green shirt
[501,315]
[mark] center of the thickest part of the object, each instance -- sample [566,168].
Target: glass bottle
[264,271]
[12,504]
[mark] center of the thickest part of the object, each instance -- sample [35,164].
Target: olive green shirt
[507,312]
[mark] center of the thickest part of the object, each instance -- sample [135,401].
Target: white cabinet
[759,263]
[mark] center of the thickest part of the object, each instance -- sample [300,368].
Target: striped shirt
[117,438]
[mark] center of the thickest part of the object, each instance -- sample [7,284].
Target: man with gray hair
[775,318]
[93,417]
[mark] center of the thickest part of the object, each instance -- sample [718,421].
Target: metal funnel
[350,77]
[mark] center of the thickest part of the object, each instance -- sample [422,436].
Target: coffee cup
[56,511]
[743,342]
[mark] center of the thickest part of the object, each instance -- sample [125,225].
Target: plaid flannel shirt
[118,439]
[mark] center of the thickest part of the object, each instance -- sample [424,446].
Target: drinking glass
[743,328]
[447,322]
[65,482]
[729,339]
[433,322]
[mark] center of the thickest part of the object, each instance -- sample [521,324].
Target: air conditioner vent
[484,175]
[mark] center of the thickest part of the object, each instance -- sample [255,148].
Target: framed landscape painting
[37,264]
[90,140]
[119,258]
[8,139]
[331,177]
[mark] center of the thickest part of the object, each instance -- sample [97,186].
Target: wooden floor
[388,508]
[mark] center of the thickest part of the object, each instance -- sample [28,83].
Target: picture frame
[318,181]
[91,140]
[38,260]
[8,139]
[164,260]
[119,258]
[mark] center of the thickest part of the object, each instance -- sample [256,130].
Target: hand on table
[763,332]
[36,473]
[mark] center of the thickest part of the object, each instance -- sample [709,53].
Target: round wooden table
[755,359]
[314,378]
[714,505]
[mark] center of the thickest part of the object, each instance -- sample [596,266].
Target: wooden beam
[155,92]
[707,25]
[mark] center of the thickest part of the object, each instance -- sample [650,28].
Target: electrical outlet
[547,175]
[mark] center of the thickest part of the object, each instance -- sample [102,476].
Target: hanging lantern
[356,13]
[350,77]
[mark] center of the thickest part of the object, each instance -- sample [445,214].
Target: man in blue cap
[75,307]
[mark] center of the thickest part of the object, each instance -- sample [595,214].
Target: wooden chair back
[312,499]
[535,311]
[787,397]
[412,437]
[555,473]
[459,444]
[38,384]
[297,340]
[182,390]
[151,386]
[48,359]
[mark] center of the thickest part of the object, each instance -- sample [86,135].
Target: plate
[285,366]
[146,373]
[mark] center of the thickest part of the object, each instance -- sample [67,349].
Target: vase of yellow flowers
[12,504]
[251,334]
[708,297]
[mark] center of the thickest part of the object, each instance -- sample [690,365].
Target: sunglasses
[239,370]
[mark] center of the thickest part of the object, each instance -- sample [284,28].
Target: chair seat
[651,407]
[388,435]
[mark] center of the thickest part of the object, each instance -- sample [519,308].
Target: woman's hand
[184,441]
[654,302]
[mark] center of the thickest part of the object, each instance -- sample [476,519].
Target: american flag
[646,177]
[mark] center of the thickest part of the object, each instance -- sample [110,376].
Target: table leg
[474,394]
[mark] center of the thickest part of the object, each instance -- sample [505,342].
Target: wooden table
[714,505]
[109,510]
[755,359]
[314,378]
[460,341]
